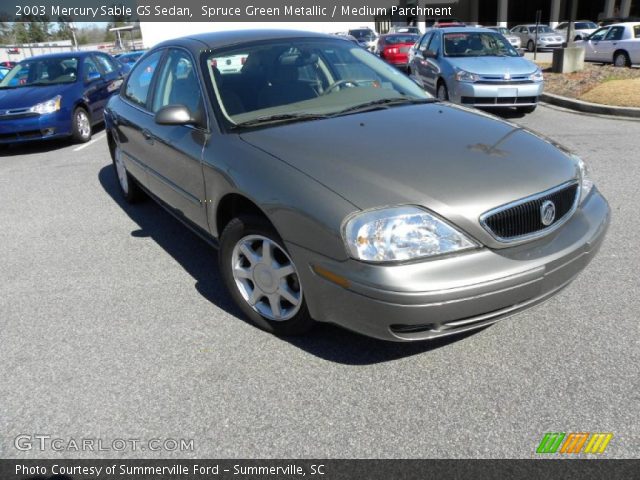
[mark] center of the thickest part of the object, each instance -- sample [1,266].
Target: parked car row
[290,167]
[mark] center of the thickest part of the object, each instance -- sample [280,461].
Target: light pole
[72,26]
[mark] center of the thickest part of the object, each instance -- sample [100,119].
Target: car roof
[623,24]
[222,39]
[81,54]
[465,30]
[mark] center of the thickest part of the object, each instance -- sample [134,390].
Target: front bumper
[496,95]
[36,127]
[428,299]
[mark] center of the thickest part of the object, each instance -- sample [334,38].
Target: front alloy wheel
[81,127]
[266,278]
[261,276]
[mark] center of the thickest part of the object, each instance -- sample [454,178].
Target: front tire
[80,126]
[531,46]
[261,276]
[442,93]
[527,109]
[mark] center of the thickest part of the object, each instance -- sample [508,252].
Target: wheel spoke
[286,293]
[285,271]
[240,272]
[249,254]
[274,302]
[267,253]
[254,297]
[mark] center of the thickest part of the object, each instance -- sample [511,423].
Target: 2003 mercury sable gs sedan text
[337,190]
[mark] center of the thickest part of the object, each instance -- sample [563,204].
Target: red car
[394,48]
[8,64]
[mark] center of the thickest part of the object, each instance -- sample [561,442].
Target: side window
[636,31]
[599,34]
[425,40]
[434,44]
[89,68]
[178,83]
[615,33]
[106,63]
[139,79]
[562,26]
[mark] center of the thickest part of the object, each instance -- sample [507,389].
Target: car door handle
[147,136]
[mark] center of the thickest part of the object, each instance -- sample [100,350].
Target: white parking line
[77,149]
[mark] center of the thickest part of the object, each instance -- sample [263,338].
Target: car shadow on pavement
[326,341]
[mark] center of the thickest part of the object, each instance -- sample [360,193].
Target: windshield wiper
[282,117]
[384,103]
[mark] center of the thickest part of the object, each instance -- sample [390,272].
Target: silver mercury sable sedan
[303,170]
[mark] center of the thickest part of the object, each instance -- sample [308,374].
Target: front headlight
[536,76]
[49,106]
[586,184]
[401,233]
[464,76]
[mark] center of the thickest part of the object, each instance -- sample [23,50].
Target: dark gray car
[303,171]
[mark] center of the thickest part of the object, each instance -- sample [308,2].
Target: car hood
[456,162]
[28,96]
[493,65]
[546,35]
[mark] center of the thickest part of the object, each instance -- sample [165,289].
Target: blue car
[129,59]
[57,95]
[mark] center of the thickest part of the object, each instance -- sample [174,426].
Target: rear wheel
[261,276]
[621,59]
[81,126]
[128,186]
[531,46]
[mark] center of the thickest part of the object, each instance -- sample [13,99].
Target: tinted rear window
[397,39]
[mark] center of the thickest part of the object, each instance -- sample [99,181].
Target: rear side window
[139,80]
[636,31]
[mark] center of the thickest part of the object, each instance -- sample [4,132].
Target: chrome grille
[522,219]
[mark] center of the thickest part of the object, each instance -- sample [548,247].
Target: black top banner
[221,10]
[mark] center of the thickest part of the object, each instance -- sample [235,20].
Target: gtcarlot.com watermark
[42,442]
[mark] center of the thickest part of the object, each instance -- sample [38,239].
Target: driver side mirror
[430,53]
[92,77]
[174,115]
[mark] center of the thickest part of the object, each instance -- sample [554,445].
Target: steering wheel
[339,83]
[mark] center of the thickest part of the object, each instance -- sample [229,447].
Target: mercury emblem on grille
[547,213]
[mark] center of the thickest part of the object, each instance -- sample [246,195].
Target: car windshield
[363,34]
[314,78]
[401,39]
[585,26]
[502,30]
[541,29]
[44,71]
[477,44]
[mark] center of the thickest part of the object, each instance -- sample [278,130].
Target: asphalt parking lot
[114,324]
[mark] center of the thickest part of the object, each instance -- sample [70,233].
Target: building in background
[485,12]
